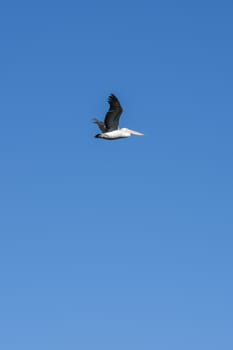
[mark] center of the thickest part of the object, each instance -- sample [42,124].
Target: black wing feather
[112,117]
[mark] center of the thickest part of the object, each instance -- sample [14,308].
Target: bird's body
[118,134]
[113,135]
[110,127]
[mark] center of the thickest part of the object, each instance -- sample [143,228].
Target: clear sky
[125,244]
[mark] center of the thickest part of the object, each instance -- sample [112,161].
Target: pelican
[110,127]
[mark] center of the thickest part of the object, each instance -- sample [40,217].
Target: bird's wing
[112,117]
[100,125]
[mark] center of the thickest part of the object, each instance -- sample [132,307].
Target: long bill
[133,132]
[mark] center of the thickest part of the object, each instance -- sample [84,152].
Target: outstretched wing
[112,117]
[100,125]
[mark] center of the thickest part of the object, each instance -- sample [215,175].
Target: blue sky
[125,244]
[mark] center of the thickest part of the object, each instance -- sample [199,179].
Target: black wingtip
[112,97]
[97,136]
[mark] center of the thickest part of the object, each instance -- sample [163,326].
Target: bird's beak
[135,133]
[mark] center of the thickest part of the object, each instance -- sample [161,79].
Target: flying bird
[110,127]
